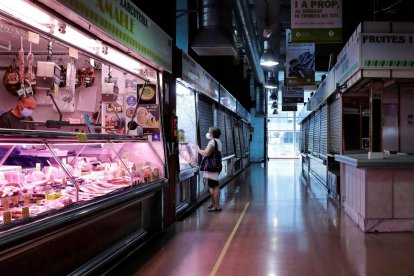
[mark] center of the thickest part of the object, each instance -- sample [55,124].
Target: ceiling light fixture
[268,58]
[271,82]
[273,96]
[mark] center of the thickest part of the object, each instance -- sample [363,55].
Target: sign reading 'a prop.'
[316,21]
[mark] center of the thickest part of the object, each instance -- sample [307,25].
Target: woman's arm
[206,152]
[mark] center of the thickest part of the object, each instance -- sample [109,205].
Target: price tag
[33,37]
[82,137]
[73,53]
[7,217]
[5,203]
[26,212]
[15,200]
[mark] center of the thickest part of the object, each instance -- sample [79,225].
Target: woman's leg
[213,203]
[216,195]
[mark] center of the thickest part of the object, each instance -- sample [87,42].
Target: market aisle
[288,229]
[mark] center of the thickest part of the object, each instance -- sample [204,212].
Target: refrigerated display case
[187,138]
[61,189]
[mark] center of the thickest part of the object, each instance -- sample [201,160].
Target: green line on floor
[228,242]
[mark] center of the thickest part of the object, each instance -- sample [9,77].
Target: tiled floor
[288,229]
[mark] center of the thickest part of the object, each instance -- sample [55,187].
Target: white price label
[73,53]
[33,37]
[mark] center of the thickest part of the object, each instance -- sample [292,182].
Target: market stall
[196,93]
[227,111]
[368,95]
[96,159]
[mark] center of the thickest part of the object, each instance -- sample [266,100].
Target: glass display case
[187,126]
[44,172]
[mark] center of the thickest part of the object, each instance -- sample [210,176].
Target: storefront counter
[378,194]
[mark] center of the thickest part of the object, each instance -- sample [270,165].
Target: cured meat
[21,62]
[30,60]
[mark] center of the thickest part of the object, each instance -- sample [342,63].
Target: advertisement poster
[293,94]
[148,93]
[113,117]
[316,21]
[148,116]
[300,62]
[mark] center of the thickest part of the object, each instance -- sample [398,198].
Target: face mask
[26,112]
[208,136]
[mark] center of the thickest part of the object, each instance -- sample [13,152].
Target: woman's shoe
[210,207]
[214,209]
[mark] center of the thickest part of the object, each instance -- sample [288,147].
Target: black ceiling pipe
[252,46]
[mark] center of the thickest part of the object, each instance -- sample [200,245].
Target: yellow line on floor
[228,242]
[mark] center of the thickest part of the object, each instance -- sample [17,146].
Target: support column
[375,115]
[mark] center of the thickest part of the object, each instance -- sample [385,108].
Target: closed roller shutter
[246,129]
[242,140]
[221,124]
[205,119]
[306,134]
[316,133]
[335,125]
[311,127]
[229,135]
[303,136]
[324,132]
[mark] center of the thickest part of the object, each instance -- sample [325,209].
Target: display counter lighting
[27,13]
[31,15]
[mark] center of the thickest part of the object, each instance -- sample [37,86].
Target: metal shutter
[221,124]
[242,141]
[324,132]
[306,135]
[205,119]
[229,134]
[311,127]
[316,133]
[246,129]
[335,126]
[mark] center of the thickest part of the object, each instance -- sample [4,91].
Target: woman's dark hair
[215,132]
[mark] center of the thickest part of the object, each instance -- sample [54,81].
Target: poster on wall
[316,21]
[300,62]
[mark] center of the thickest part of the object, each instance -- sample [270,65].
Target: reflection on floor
[290,228]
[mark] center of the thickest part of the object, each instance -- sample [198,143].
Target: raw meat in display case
[38,177]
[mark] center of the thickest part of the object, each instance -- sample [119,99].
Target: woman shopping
[211,165]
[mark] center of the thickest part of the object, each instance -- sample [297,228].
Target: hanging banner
[300,62]
[289,107]
[293,94]
[122,20]
[316,21]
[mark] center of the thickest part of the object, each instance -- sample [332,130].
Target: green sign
[316,21]
[122,20]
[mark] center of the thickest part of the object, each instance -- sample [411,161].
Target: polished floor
[272,224]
